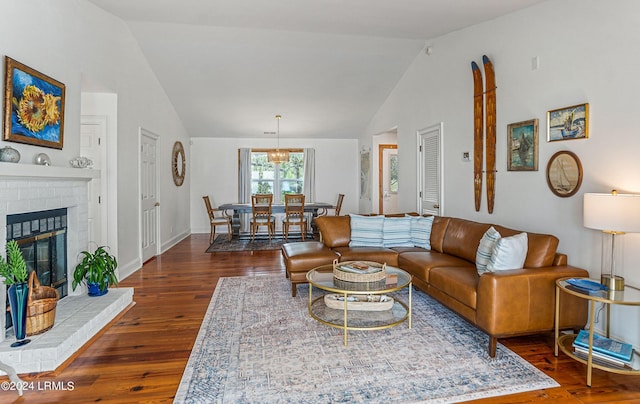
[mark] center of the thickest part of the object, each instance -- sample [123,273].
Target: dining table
[235,209]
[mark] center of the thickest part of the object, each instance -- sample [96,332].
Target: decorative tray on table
[359,271]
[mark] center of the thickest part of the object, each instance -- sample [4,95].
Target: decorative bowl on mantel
[81,162]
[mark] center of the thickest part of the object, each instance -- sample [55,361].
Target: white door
[149,205]
[430,170]
[93,136]
[388,178]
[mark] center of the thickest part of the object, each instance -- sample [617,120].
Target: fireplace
[42,237]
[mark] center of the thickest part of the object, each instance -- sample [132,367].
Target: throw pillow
[509,253]
[366,231]
[396,232]
[485,248]
[421,231]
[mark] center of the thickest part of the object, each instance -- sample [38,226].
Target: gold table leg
[410,289]
[345,319]
[557,321]
[592,307]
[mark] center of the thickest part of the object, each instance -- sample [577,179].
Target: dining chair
[261,214]
[216,218]
[294,214]
[337,207]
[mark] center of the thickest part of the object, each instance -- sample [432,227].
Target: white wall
[586,54]
[215,172]
[71,40]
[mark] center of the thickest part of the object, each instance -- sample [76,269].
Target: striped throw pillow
[510,253]
[421,231]
[396,232]
[485,249]
[366,231]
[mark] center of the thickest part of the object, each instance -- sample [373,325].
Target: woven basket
[41,306]
[342,275]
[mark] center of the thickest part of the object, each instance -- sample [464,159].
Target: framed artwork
[564,173]
[568,123]
[34,106]
[522,146]
[365,174]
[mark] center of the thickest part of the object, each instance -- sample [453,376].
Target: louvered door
[430,170]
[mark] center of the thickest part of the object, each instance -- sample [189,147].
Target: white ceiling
[229,66]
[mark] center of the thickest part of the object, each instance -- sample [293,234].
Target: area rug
[257,344]
[222,244]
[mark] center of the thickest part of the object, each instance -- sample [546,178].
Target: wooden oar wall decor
[484,100]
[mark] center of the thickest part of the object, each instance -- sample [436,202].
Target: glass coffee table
[357,319]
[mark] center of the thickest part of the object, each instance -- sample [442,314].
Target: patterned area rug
[222,244]
[258,344]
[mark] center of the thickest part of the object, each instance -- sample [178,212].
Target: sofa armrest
[519,301]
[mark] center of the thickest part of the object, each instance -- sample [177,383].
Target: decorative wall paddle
[490,96]
[478,120]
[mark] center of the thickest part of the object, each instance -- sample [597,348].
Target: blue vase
[18,296]
[94,289]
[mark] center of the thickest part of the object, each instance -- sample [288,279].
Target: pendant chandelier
[278,156]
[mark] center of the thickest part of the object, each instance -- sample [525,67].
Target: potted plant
[14,272]
[98,270]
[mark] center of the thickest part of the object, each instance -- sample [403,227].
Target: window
[278,179]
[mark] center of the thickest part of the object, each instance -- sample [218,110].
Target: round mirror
[178,163]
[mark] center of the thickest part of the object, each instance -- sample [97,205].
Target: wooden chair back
[339,204]
[294,206]
[261,206]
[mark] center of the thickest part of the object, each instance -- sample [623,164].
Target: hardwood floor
[141,357]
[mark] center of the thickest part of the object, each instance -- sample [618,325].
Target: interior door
[430,170]
[149,204]
[93,132]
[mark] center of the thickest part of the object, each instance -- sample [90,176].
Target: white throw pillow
[509,253]
[396,232]
[366,231]
[485,249]
[421,231]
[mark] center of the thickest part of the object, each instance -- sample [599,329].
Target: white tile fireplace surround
[30,188]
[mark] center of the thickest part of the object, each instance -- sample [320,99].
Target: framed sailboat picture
[568,123]
[564,173]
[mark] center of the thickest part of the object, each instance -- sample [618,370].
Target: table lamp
[615,214]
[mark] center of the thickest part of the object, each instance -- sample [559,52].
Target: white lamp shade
[612,212]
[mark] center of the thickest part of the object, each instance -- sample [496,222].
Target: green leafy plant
[13,269]
[96,267]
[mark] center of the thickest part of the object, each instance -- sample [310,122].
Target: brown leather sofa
[502,304]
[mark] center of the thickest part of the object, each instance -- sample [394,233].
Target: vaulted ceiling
[229,66]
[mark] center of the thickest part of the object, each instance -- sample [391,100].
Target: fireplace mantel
[33,171]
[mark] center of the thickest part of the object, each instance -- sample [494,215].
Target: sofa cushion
[463,238]
[366,231]
[419,263]
[438,230]
[396,232]
[485,249]
[458,282]
[335,230]
[304,256]
[509,253]
[421,231]
[375,254]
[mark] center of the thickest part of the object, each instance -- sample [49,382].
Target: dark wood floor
[141,357]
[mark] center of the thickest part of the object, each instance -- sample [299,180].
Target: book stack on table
[605,351]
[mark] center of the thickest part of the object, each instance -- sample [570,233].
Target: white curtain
[309,187]
[244,185]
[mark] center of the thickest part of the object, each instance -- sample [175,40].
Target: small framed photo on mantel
[522,143]
[568,123]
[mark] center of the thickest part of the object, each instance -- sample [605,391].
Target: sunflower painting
[34,106]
